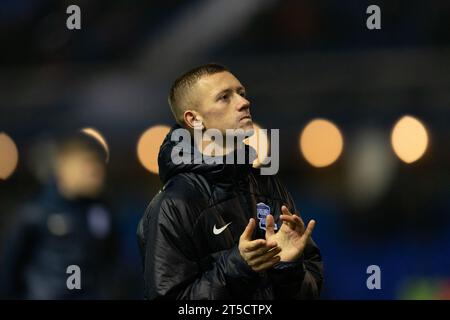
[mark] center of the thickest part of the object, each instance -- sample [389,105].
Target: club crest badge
[262,210]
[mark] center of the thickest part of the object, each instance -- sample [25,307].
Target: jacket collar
[215,172]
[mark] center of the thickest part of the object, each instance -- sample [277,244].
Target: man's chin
[247,126]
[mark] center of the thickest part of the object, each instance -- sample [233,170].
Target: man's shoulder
[183,195]
[188,188]
[269,184]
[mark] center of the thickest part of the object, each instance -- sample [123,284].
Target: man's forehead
[218,81]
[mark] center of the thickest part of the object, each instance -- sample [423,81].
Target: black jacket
[184,259]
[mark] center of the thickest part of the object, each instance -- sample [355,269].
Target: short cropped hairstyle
[179,98]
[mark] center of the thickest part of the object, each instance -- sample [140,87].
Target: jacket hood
[215,171]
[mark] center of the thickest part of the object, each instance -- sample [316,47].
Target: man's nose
[243,103]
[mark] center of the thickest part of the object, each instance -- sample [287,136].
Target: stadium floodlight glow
[148,147]
[409,139]
[9,156]
[321,143]
[94,133]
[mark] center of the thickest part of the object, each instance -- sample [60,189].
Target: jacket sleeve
[171,269]
[299,280]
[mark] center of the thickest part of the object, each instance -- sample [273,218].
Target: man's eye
[242,94]
[224,97]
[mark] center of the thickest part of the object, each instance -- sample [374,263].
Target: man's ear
[192,119]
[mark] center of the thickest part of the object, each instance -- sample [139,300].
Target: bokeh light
[321,142]
[9,156]
[94,133]
[409,139]
[260,142]
[148,147]
[369,166]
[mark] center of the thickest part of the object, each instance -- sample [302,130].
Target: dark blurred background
[299,60]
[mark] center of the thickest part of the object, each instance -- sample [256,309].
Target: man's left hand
[292,236]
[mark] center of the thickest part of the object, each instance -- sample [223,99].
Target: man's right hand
[259,254]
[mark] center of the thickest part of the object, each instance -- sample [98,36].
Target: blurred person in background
[68,224]
[222,231]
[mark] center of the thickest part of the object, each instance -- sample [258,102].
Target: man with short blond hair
[222,230]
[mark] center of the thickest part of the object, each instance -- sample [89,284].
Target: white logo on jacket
[220,230]
[262,210]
